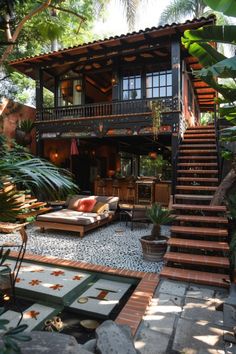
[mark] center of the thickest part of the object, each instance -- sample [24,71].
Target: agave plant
[26,125]
[159,216]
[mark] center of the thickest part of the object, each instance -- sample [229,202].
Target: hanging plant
[156,117]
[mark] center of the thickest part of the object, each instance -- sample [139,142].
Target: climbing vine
[156,117]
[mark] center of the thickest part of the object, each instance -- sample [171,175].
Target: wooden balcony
[106,110]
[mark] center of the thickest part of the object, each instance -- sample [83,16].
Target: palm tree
[131,7]
[177,10]
[24,171]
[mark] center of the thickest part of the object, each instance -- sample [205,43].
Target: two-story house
[106,107]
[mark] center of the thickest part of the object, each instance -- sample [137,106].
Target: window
[159,84]
[131,87]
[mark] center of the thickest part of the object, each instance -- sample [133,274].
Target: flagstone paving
[182,318]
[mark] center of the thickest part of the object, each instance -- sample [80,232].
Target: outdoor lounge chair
[138,214]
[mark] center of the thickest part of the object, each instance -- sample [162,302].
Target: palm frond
[178,10]
[41,177]
[131,7]
[9,205]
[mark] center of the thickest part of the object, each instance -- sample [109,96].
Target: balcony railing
[105,110]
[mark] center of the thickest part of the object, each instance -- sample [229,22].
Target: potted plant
[23,132]
[154,245]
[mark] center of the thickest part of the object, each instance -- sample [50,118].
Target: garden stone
[50,343]
[113,338]
[90,345]
[172,287]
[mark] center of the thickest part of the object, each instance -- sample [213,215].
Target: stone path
[182,319]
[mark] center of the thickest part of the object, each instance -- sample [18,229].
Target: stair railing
[218,147]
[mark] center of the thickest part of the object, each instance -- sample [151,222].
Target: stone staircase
[198,247]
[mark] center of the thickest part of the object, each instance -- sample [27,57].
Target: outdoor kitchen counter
[161,190]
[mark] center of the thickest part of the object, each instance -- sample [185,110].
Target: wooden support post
[39,106]
[176,93]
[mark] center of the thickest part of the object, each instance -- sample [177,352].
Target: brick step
[193,197]
[194,146]
[198,244]
[212,261]
[197,127]
[199,136]
[196,188]
[198,179]
[211,157]
[198,151]
[197,141]
[210,208]
[199,231]
[198,171]
[194,276]
[202,219]
[200,131]
[197,164]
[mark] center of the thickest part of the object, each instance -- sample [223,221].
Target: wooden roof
[144,45]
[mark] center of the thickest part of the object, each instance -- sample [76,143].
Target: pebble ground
[113,246]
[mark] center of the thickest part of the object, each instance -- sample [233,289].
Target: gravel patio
[114,246]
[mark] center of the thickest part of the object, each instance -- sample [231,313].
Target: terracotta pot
[153,250]
[22,138]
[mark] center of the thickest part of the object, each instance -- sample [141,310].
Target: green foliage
[43,179]
[159,215]
[228,7]
[177,10]
[9,205]
[198,42]
[11,336]
[26,125]
[152,167]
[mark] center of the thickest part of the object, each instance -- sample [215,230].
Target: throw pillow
[100,208]
[86,205]
[73,202]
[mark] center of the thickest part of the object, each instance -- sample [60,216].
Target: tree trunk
[156,231]
[227,182]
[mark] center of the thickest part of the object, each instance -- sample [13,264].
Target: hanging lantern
[152,155]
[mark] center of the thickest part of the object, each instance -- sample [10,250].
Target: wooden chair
[131,191]
[101,189]
[116,188]
[138,214]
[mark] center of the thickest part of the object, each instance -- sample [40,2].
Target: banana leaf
[227,111]
[206,54]
[219,34]
[228,93]
[223,69]
[228,7]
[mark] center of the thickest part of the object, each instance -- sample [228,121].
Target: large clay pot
[153,250]
[22,138]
